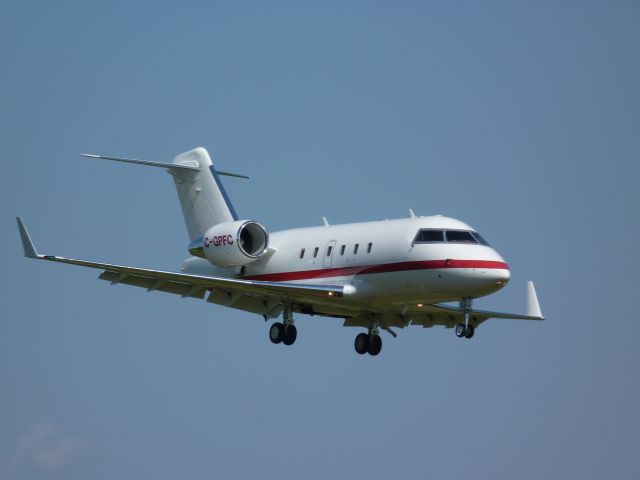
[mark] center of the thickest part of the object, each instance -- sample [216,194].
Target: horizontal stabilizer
[170,166]
[229,174]
[141,162]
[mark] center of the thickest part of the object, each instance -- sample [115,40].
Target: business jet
[381,275]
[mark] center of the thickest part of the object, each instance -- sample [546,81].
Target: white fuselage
[380,261]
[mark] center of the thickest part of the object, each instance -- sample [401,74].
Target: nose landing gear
[465,329]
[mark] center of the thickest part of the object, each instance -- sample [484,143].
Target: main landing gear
[462,331]
[370,343]
[465,329]
[284,332]
[280,333]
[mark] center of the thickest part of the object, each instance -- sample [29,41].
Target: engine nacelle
[235,243]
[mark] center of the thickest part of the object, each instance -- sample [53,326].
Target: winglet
[533,307]
[27,244]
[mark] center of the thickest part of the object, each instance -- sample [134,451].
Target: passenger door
[327,256]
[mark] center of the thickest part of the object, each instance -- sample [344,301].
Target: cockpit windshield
[479,238]
[460,237]
[430,235]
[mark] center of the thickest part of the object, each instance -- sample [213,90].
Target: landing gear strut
[285,332]
[465,329]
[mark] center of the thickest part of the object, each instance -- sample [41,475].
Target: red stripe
[382,268]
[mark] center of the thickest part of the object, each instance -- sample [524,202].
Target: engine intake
[235,243]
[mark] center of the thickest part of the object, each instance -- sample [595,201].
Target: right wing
[271,296]
[428,315]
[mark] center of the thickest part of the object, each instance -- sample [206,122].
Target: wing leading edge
[186,284]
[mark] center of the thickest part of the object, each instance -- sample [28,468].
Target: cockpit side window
[459,236]
[424,236]
[479,238]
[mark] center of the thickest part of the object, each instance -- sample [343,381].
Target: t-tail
[203,199]
[202,196]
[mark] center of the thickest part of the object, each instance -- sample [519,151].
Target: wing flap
[153,284]
[247,286]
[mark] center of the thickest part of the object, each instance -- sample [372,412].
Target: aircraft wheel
[469,331]
[460,330]
[276,332]
[362,343]
[290,334]
[375,345]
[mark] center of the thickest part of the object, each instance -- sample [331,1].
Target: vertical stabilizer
[203,199]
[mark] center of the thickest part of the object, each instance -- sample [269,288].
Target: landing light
[419,305]
[331,294]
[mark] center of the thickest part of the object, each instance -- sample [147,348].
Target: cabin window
[302,253]
[429,236]
[355,248]
[329,249]
[369,247]
[342,249]
[459,236]
[479,238]
[315,252]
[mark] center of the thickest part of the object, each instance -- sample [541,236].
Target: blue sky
[520,118]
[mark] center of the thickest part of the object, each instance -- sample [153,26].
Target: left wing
[197,285]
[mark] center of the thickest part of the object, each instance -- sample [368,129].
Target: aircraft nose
[500,276]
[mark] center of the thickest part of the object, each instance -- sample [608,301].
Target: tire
[290,334]
[470,331]
[460,330]
[362,343]
[375,345]
[276,332]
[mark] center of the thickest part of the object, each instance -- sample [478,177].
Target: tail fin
[204,201]
[202,196]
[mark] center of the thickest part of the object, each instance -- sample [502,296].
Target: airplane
[380,275]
